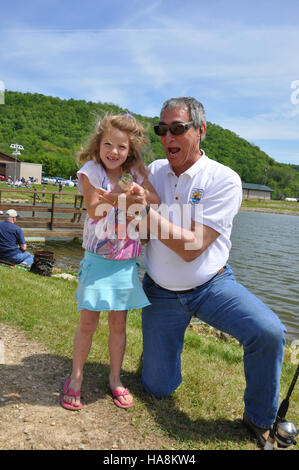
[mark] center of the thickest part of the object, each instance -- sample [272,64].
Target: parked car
[69,183]
[48,181]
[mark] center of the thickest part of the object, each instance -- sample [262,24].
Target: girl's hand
[107,196]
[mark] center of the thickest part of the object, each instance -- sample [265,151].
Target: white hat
[11,213]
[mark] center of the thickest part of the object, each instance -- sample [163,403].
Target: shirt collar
[193,169]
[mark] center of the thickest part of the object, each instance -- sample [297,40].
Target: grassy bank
[276,207]
[23,197]
[205,411]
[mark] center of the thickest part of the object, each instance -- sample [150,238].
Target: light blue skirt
[106,284]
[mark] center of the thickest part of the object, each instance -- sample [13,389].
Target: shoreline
[269,211]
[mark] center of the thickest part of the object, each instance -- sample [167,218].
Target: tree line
[53,130]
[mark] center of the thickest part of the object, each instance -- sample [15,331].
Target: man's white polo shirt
[212,194]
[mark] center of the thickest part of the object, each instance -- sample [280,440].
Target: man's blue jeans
[23,257]
[228,306]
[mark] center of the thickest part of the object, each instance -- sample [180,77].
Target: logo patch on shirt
[196,195]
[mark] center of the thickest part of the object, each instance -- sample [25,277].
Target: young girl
[108,278]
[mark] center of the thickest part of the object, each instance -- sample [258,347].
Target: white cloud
[234,59]
[281,123]
[242,74]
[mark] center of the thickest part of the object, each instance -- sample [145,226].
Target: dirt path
[30,415]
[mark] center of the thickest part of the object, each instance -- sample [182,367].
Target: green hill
[52,130]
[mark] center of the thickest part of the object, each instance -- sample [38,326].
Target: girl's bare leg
[82,344]
[117,346]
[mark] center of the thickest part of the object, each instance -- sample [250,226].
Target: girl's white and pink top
[100,236]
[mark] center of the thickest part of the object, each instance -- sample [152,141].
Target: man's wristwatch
[142,213]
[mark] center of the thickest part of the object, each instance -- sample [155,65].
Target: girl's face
[114,148]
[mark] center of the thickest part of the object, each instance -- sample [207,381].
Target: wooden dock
[53,220]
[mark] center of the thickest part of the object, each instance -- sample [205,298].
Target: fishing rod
[283,431]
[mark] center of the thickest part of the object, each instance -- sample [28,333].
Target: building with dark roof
[256,191]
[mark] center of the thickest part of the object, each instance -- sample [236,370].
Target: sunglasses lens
[177,129]
[161,129]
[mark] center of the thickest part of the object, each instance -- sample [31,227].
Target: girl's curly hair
[125,123]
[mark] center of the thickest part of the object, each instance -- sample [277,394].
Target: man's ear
[202,130]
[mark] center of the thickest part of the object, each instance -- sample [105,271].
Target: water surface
[265,259]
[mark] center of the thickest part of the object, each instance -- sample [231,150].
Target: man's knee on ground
[158,389]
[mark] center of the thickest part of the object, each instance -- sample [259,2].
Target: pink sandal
[121,393]
[69,391]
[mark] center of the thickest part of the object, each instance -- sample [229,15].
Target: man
[187,272]
[12,241]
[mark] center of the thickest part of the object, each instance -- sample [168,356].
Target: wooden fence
[47,224]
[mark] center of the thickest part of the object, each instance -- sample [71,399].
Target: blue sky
[239,58]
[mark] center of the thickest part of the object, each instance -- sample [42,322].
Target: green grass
[205,411]
[272,205]
[24,197]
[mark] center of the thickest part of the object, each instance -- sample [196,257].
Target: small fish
[125,181]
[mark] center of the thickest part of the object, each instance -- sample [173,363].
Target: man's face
[181,150]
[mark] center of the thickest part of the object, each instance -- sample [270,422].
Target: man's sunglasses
[176,128]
